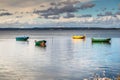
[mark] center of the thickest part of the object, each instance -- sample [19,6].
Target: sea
[63,58]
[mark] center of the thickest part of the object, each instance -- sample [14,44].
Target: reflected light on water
[62,59]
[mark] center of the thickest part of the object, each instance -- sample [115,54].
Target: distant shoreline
[51,28]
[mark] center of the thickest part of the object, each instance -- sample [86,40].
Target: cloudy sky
[59,13]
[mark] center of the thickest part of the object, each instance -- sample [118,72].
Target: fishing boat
[41,43]
[78,37]
[101,39]
[22,38]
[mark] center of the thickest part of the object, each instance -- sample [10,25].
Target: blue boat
[22,38]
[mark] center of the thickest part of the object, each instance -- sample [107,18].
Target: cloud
[71,19]
[113,8]
[21,3]
[87,15]
[26,11]
[104,9]
[67,2]
[56,11]
[3,10]
[5,14]
[19,16]
[68,6]
[29,3]
[105,22]
[119,8]
[100,14]
[42,5]
[69,15]
[52,3]
[117,13]
[52,17]
[105,14]
[87,5]
[108,14]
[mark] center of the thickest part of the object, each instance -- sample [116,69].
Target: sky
[59,13]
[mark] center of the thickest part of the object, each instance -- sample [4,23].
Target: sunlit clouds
[43,13]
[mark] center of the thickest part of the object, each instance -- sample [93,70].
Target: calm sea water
[63,58]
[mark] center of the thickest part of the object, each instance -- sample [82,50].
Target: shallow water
[63,58]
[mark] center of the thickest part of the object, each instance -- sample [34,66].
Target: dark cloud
[108,13]
[100,14]
[5,14]
[42,5]
[96,10]
[53,3]
[105,14]
[113,8]
[56,10]
[69,15]
[3,10]
[104,9]
[67,7]
[87,5]
[21,12]
[28,12]
[87,15]
[19,16]
[67,2]
[70,2]
[119,8]
[117,13]
[17,12]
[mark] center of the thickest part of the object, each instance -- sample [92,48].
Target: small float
[41,43]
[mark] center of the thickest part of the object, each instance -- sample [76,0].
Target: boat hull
[101,40]
[78,37]
[41,43]
[22,38]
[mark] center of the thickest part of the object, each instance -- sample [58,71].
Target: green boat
[41,43]
[101,40]
[22,38]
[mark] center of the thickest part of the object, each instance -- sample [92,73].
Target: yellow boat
[78,37]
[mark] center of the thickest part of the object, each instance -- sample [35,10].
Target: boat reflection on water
[78,40]
[22,42]
[101,43]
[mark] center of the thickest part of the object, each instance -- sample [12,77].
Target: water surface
[63,58]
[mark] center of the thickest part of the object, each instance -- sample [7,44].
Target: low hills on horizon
[61,28]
